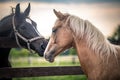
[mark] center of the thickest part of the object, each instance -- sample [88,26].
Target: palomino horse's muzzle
[50,54]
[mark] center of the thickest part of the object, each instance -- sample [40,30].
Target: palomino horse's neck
[98,58]
[94,40]
[92,63]
[87,58]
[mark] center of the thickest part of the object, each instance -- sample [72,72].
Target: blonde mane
[95,39]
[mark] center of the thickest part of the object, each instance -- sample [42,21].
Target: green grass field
[74,77]
[41,62]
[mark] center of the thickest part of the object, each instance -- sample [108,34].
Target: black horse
[18,30]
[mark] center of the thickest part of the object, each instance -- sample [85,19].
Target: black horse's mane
[12,9]
[6,17]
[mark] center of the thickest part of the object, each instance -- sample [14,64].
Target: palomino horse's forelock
[95,39]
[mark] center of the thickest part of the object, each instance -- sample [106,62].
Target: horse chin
[40,52]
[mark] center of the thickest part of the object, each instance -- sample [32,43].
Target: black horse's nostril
[43,45]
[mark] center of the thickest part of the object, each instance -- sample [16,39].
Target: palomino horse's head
[61,38]
[21,29]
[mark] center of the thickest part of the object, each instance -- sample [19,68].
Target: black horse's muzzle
[42,47]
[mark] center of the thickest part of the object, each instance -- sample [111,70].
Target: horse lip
[50,60]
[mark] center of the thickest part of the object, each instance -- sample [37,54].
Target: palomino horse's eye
[54,30]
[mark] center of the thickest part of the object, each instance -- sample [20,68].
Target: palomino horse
[100,60]
[18,30]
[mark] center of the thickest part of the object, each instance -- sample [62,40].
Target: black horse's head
[24,31]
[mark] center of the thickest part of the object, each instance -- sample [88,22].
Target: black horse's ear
[27,11]
[17,10]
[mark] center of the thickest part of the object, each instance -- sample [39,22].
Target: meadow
[31,61]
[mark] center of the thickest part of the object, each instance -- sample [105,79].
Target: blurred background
[104,14]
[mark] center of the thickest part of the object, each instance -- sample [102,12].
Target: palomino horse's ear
[59,14]
[17,10]
[27,11]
